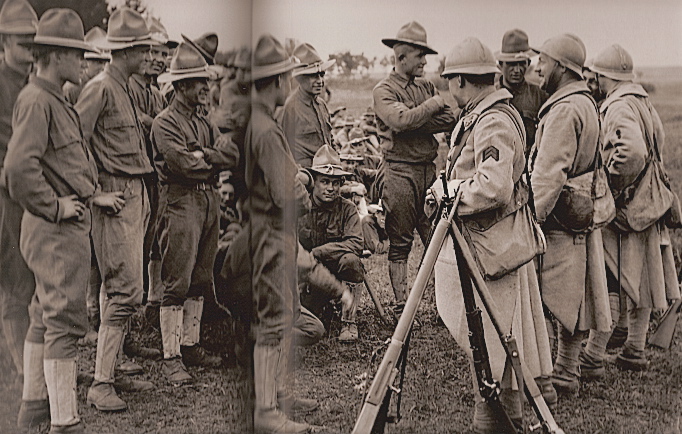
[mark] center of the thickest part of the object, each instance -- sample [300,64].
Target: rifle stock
[663,336]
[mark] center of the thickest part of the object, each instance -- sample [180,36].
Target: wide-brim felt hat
[17,17]
[160,34]
[206,44]
[270,59]
[310,61]
[515,47]
[127,29]
[327,162]
[411,33]
[188,62]
[94,37]
[62,28]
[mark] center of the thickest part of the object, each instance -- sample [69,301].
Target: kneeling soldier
[331,231]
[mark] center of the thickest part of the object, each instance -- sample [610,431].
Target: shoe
[617,339]
[103,397]
[70,429]
[128,367]
[123,383]
[33,413]
[196,356]
[630,361]
[564,382]
[134,349]
[548,391]
[292,406]
[349,333]
[273,421]
[175,372]
[591,368]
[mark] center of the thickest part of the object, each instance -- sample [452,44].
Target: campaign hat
[327,162]
[17,17]
[206,44]
[127,29]
[515,47]
[60,27]
[270,58]
[411,33]
[188,62]
[310,61]
[94,37]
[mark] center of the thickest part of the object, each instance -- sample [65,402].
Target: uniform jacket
[47,157]
[111,125]
[527,99]
[331,230]
[408,117]
[565,144]
[11,83]
[176,133]
[147,99]
[307,125]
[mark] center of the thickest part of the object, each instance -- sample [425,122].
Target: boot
[349,332]
[60,377]
[35,407]
[591,368]
[397,271]
[632,360]
[192,353]
[632,357]
[123,383]
[548,391]
[292,406]
[101,393]
[488,421]
[171,331]
[128,367]
[267,417]
[70,429]
[565,382]
[566,376]
[134,349]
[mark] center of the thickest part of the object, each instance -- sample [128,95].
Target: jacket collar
[49,87]
[116,74]
[182,108]
[402,81]
[578,86]
[620,90]
[304,97]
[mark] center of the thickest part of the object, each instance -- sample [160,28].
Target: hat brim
[260,72]
[471,70]
[105,44]
[324,170]
[94,55]
[313,69]
[52,41]
[618,76]
[351,157]
[390,42]
[19,30]
[514,57]
[211,73]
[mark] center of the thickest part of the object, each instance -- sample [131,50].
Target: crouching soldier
[51,173]
[188,159]
[331,231]
[374,229]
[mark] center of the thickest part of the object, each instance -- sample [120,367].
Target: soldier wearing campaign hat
[112,126]
[18,22]
[53,176]
[567,140]
[513,60]
[409,111]
[188,159]
[306,120]
[94,64]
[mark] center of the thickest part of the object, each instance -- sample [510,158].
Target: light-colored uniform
[490,164]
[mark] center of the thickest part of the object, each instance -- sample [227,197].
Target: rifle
[377,303]
[663,336]
[374,413]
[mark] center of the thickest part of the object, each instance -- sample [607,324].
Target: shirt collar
[182,108]
[116,74]
[402,81]
[474,102]
[139,79]
[48,86]
[305,97]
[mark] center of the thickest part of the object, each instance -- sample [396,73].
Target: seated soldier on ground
[342,137]
[374,229]
[359,172]
[331,231]
[361,144]
[368,125]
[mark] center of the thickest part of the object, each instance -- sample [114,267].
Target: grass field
[437,394]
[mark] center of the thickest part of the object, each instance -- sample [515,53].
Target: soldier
[591,81]
[188,159]
[409,111]
[112,127]
[274,196]
[513,60]
[573,274]
[331,231]
[488,172]
[50,171]
[94,64]
[306,120]
[374,229]
[647,267]
[18,23]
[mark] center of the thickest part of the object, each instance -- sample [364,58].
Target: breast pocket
[70,154]
[122,135]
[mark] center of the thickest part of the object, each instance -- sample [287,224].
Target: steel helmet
[615,63]
[567,49]
[470,57]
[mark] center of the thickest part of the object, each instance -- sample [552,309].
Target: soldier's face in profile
[514,73]
[70,65]
[312,84]
[326,188]
[548,71]
[592,82]
[414,61]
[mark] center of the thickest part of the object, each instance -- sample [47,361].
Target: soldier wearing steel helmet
[647,268]
[487,161]
[573,275]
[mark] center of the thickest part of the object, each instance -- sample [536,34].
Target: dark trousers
[403,199]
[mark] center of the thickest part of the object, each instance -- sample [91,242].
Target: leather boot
[101,394]
[293,406]
[349,330]
[171,332]
[267,417]
[60,377]
[192,353]
[35,407]
[134,349]
[488,421]
[70,429]
[397,271]
[123,383]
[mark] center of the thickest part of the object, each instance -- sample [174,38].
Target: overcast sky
[650,30]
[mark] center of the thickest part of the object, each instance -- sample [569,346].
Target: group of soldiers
[134,169]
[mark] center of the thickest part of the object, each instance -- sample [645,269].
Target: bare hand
[70,208]
[113,202]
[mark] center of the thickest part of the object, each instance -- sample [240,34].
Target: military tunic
[527,100]
[307,125]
